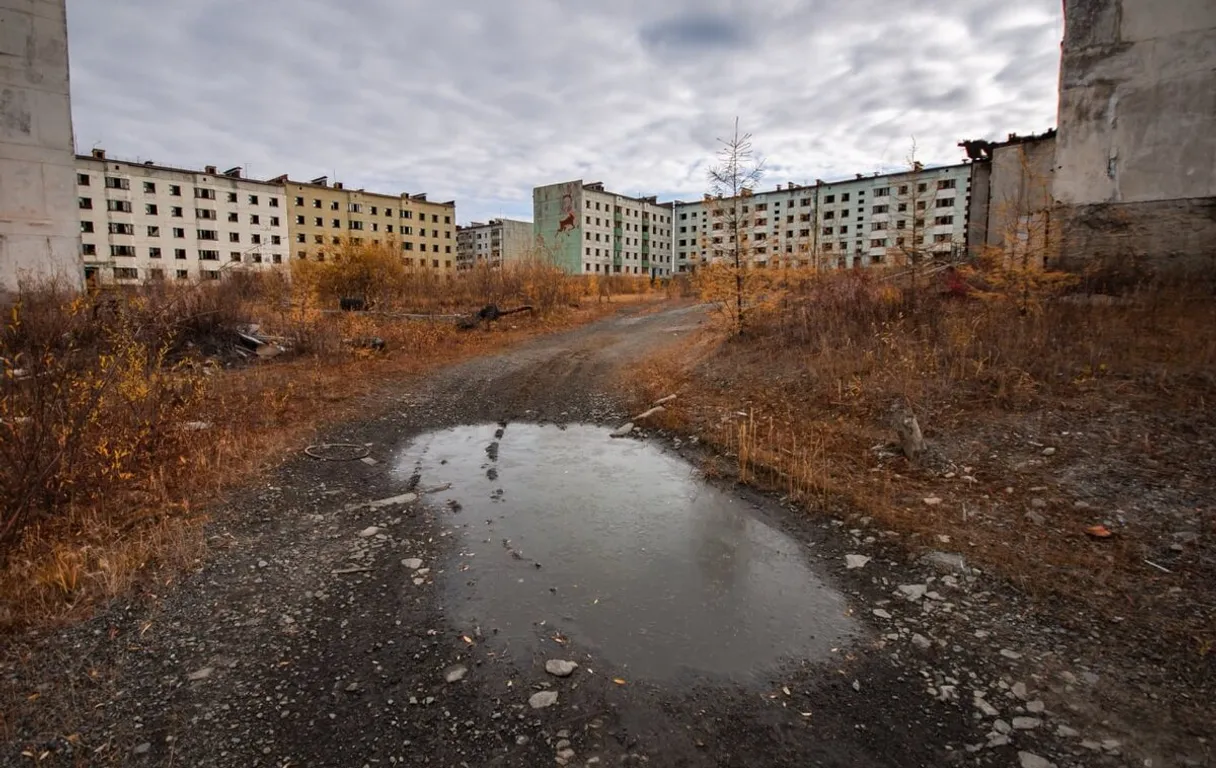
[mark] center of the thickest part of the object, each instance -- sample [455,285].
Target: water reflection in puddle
[621,548]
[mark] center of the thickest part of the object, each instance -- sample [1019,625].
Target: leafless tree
[731,183]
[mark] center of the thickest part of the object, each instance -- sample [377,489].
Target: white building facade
[866,221]
[588,230]
[39,237]
[140,221]
[495,243]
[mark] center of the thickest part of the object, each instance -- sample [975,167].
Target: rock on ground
[1031,760]
[560,668]
[855,561]
[542,699]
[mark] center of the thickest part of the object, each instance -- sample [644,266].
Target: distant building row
[857,222]
[141,221]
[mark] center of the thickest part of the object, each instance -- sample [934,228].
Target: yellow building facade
[321,216]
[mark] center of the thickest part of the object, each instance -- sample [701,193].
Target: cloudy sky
[480,100]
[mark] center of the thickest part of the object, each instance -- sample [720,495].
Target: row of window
[630,226]
[624,254]
[117,228]
[175,190]
[645,215]
[177,212]
[372,210]
[405,246]
[408,261]
[180,254]
[616,268]
[357,226]
[132,273]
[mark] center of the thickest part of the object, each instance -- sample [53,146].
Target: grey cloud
[479,102]
[696,33]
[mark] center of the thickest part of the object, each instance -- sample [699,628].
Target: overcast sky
[480,100]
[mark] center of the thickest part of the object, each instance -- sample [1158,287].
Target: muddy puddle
[621,549]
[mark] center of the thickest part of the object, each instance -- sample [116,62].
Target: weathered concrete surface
[1138,126]
[1137,101]
[1011,200]
[39,227]
[1171,236]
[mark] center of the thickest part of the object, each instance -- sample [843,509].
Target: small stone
[1038,503]
[1091,745]
[521,740]
[983,706]
[1090,678]
[1064,732]
[932,501]
[1010,654]
[1034,517]
[1026,723]
[566,753]
[542,699]
[1031,760]
[419,582]
[1035,707]
[368,532]
[921,642]
[997,739]
[880,613]
[562,744]
[1049,451]
[560,668]
[913,592]
[945,562]
[855,561]
[1019,690]
[369,461]
[200,674]
[412,563]
[1000,726]
[143,749]
[456,673]
[263,564]
[624,430]
[1111,746]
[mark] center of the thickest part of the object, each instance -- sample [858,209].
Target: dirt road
[327,631]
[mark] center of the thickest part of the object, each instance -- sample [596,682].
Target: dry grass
[122,415]
[801,402]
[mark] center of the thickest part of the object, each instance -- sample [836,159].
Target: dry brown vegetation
[1047,409]
[123,413]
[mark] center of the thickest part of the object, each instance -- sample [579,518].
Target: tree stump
[911,441]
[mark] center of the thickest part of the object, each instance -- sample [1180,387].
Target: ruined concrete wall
[1137,122]
[39,226]
[978,209]
[1166,236]
[1020,203]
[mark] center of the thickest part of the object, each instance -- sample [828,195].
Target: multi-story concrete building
[321,216]
[1136,151]
[39,231]
[495,243]
[587,230]
[141,221]
[869,220]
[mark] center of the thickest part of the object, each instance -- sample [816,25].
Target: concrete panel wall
[1167,236]
[39,227]
[1020,200]
[1137,101]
